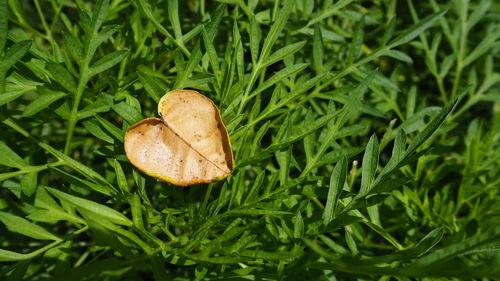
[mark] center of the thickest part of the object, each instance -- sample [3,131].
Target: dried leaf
[188,145]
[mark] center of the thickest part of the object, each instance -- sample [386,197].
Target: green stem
[30,169]
[73,117]
[461,50]
[48,31]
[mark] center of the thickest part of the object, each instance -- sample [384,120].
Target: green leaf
[278,76]
[96,130]
[62,76]
[73,47]
[173,15]
[14,54]
[389,31]
[144,6]
[29,183]
[369,165]
[97,209]
[110,128]
[398,55]
[212,55]
[357,40]
[298,226]
[10,158]
[120,176]
[129,113]
[255,36]
[107,62]
[11,95]
[256,254]
[9,255]
[99,106]
[152,87]
[318,50]
[276,28]
[3,25]
[255,212]
[46,97]
[478,13]
[284,52]
[433,125]
[337,181]
[25,227]
[106,187]
[416,29]
[99,15]
[106,32]
[81,182]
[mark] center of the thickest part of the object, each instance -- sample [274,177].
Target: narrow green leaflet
[337,181]
[107,62]
[9,157]
[6,255]
[13,54]
[99,210]
[369,165]
[46,97]
[73,47]
[3,25]
[277,27]
[284,52]
[412,32]
[120,176]
[62,76]
[29,183]
[25,227]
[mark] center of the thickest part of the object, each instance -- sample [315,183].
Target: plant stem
[73,117]
[48,31]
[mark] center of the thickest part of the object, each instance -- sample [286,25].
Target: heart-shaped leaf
[188,145]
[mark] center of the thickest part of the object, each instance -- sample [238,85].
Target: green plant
[308,90]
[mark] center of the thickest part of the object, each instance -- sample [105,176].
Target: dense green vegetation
[366,137]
